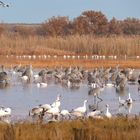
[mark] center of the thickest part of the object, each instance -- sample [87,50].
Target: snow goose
[107,113]
[54,111]
[94,114]
[36,77]
[109,85]
[77,114]
[5,112]
[41,85]
[81,109]
[129,99]
[65,113]
[46,107]
[24,78]
[121,101]
[57,102]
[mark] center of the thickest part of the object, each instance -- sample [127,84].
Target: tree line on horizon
[88,23]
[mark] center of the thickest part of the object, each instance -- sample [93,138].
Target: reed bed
[90,129]
[86,44]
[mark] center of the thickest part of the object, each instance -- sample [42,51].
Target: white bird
[36,77]
[42,85]
[24,78]
[94,114]
[54,111]
[107,113]
[65,113]
[5,112]
[81,109]
[121,101]
[57,102]
[77,114]
[109,85]
[129,99]
[45,106]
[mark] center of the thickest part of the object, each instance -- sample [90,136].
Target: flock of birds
[97,79]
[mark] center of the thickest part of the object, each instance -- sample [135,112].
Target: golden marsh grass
[90,129]
[86,44]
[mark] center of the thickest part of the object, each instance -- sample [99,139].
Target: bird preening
[2,4]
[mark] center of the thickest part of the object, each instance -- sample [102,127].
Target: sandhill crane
[28,72]
[95,92]
[3,76]
[39,111]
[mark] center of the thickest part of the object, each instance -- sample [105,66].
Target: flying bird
[3,4]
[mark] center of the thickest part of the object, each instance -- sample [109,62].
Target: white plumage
[53,111]
[107,113]
[5,112]
[46,106]
[129,99]
[121,101]
[43,85]
[64,112]
[24,78]
[94,113]
[57,102]
[81,109]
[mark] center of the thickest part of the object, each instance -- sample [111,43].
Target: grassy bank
[114,129]
[118,45]
[84,63]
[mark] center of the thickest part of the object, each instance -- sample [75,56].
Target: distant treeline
[88,23]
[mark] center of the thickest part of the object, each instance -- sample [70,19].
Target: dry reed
[91,129]
[119,45]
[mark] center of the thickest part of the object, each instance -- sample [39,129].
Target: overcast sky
[37,11]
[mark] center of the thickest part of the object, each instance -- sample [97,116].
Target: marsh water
[21,97]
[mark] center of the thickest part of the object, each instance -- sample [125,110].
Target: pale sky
[37,11]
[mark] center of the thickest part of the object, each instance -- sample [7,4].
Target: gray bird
[3,4]
[3,76]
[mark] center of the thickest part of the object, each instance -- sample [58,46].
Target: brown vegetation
[91,129]
[88,34]
[84,63]
[76,44]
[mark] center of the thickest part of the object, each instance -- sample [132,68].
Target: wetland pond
[21,97]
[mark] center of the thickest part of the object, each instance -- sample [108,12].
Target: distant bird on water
[3,4]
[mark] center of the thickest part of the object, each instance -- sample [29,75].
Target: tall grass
[119,45]
[114,129]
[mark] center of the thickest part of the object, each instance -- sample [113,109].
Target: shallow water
[21,97]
